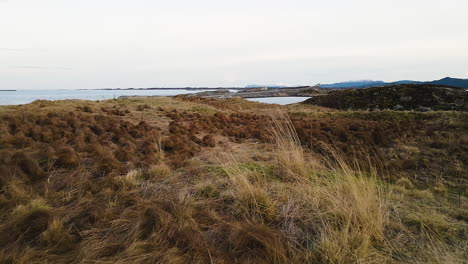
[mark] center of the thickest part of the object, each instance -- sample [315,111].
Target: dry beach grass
[193,180]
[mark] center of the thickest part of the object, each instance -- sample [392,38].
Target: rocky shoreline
[303,91]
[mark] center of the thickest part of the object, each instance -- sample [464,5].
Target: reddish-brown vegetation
[70,140]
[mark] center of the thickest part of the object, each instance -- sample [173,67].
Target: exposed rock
[423,109]
[406,98]
[398,107]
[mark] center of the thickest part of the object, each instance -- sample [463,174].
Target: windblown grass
[189,187]
[343,209]
[291,155]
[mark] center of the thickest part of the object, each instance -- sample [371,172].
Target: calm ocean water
[279,100]
[28,96]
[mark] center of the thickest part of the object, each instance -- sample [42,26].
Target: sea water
[27,96]
[279,100]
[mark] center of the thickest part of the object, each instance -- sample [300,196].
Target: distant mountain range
[461,83]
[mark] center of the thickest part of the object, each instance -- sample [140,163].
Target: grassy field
[193,180]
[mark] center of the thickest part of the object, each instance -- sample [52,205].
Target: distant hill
[270,86]
[420,97]
[354,84]
[460,83]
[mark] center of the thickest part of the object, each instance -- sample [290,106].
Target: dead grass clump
[15,190]
[208,190]
[209,141]
[132,178]
[141,130]
[107,164]
[125,154]
[148,150]
[160,171]
[25,226]
[142,107]
[177,128]
[255,203]
[46,135]
[150,220]
[32,225]
[19,140]
[170,143]
[256,243]
[440,188]
[86,212]
[405,183]
[57,236]
[87,109]
[179,148]
[29,166]
[97,129]
[252,201]
[67,157]
[433,222]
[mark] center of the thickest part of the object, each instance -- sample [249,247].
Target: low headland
[419,97]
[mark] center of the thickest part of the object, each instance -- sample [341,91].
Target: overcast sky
[65,44]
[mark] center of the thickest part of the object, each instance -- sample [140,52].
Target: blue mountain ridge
[448,81]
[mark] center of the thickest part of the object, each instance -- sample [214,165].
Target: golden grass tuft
[160,171]
[57,235]
[343,207]
[355,217]
[132,178]
[291,156]
[251,198]
[405,183]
